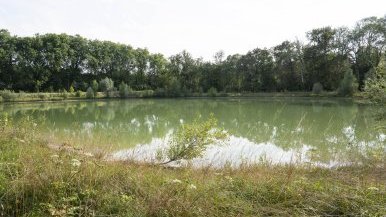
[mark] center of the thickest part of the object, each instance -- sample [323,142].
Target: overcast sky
[200,26]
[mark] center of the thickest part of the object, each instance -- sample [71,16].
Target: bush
[90,93]
[106,84]
[95,86]
[148,93]
[64,94]
[212,92]
[348,85]
[124,90]
[375,84]
[317,88]
[191,140]
[71,90]
[160,92]
[22,94]
[174,88]
[111,93]
[223,94]
[78,93]
[8,95]
[43,96]
[186,92]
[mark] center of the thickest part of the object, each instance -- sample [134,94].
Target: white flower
[373,189]
[175,181]
[75,162]
[230,179]
[191,186]
[54,156]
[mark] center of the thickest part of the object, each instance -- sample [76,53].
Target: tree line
[330,59]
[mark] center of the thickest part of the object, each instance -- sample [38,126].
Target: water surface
[326,131]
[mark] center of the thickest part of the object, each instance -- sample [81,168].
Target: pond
[275,130]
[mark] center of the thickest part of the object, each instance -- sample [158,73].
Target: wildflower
[230,179]
[75,162]
[54,156]
[373,189]
[192,187]
[175,181]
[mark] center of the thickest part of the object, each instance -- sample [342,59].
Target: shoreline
[34,97]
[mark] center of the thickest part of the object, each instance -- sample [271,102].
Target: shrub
[95,86]
[111,93]
[90,93]
[223,94]
[200,91]
[78,93]
[71,89]
[8,95]
[186,92]
[50,89]
[174,88]
[43,96]
[64,94]
[83,86]
[375,84]
[212,92]
[317,88]
[191,140]
[124,90]
[160,92]
[106,84]
[148,93]
[348,85]
[22,94]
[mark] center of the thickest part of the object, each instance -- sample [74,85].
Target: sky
[201,27]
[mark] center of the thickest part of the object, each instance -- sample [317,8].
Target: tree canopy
[54,62]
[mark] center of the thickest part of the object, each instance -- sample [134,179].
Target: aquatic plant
[191,140]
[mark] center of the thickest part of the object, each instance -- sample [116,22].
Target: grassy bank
[38,181]
[9,96]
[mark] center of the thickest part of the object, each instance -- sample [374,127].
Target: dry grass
[38,181]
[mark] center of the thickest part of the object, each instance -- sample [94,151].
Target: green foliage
[51,62]
[160,92]
[8,95]
[106,84]
[78,93]
[191,140]
[1,99]
[90,93]
[348,85]
[45,96]
[71,90]
[95,86]
[174,88]
[212,92]
[64,94]
[36,180]
[124,90]
[317,88]
[375,85]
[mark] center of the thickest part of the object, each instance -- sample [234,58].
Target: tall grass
[38,181]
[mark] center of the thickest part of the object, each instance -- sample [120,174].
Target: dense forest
[330,58]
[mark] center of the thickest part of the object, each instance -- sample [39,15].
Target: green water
[328,129]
